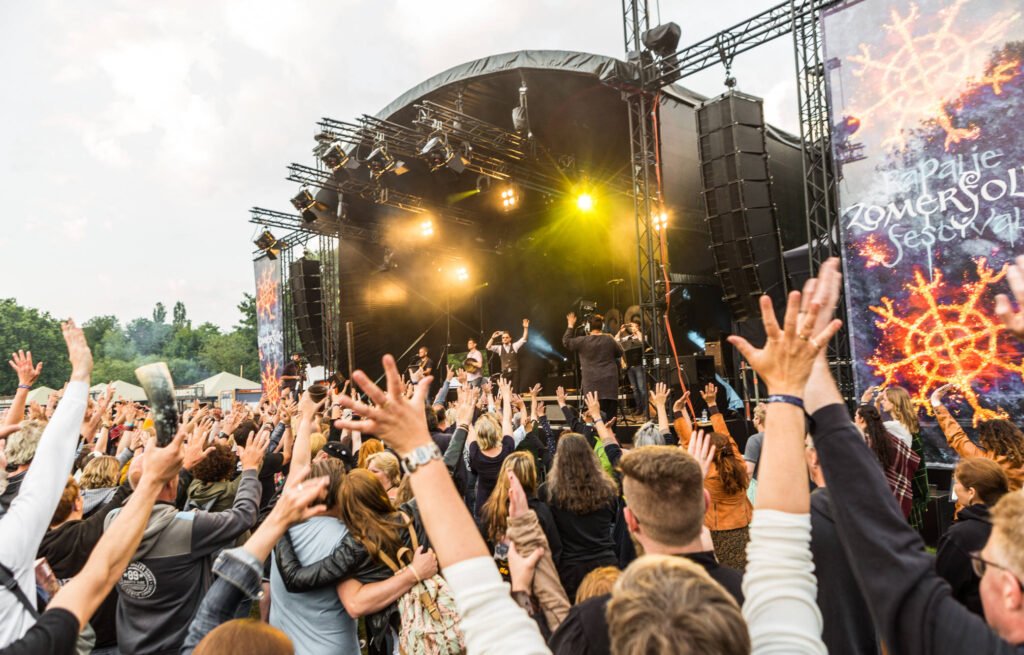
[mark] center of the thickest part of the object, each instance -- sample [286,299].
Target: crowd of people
[382,520]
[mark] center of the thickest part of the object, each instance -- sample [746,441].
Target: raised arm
[526,333]
[490,620]
[85,592]
[505,387]
[659,397]
[955,435]
[301,455]
[779,586]
[27,374]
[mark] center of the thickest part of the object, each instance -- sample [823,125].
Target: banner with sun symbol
[270,325]
[927,101]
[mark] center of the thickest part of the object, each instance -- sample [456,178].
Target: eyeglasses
[979,564]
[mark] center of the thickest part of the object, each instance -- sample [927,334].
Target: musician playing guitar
[474,364]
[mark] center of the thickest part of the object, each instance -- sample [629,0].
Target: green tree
[149,337]
[159,313]
[180,319]
[24,328]
[247,323]
[97,327]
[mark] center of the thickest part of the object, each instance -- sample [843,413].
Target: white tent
[122,389]
[40,395]
[224,381]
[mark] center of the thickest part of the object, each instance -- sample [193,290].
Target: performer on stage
[632,342]
[599,361]
[509,353]
[474,365]
[294,375]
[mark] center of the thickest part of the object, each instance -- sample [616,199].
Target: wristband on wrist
[24,386]
[785,399]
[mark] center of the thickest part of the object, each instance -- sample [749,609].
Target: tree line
[192,353]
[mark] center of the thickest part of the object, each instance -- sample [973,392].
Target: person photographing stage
[632,342]
[599,354]
[509,353]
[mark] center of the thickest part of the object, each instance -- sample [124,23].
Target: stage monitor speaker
[737,191]
[307,307]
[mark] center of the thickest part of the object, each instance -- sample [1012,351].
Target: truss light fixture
[269,244]
[439,154]
[305,203]
[509,198]
[662,40]
[381,162]
[335,157]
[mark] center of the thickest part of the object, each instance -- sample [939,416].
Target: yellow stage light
[461,274]
[427,228]
[585,202]
[509,198]
[660,221]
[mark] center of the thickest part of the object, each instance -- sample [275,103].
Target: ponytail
[731,470]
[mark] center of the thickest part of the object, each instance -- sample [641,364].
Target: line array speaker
[307,307]
[737,189]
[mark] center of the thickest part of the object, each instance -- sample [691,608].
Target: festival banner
[927,102]
[270,325]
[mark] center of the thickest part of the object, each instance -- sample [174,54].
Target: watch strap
[421,456]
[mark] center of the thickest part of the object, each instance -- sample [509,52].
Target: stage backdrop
[270,325]
[928,100]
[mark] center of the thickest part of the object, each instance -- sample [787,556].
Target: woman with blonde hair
[99,481]
[385,468]
[489,445]
[895,401]
[494,515]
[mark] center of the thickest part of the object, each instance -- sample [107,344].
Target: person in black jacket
[978,483]
[913,607]
[847,625]
[69,542]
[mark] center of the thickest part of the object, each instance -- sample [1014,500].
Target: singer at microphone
[509,353]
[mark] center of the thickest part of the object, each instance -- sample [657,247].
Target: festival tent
[122,389]
[40,395]
[224,381]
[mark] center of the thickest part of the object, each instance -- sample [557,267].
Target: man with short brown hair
[665,505]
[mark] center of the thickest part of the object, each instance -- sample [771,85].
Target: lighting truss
[757,30]
[302,231]
[374,193]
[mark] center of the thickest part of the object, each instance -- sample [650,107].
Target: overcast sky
[136,135]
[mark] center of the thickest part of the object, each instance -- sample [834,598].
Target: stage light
[461,274]
[269,244]
[305,203]
[660,221]
[381,162]
[509,198]
[335,157]
[584,202]
[663,39]
[440,154]
[427,228]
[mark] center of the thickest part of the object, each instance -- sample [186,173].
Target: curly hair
[732,470]
[1002,437]
[877,436]
[100,473]
[218,465]
[494,513]
[577,481]
[21,446]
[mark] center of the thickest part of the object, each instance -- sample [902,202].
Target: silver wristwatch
[421,456]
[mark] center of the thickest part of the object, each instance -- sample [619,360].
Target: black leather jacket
[349,560]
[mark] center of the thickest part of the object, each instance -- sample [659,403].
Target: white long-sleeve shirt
[26,521]
[779,586]
[491,621]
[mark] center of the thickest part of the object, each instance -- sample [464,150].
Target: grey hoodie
[170,572]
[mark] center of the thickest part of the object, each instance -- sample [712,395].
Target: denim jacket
[238,577]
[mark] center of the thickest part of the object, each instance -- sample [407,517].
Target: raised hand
[162,464]
[462,377]
[1013,320]
[517,503]
[295,504]
[450,373]
[560,396]
[869,394]
[526,323]
[399,421]
[660,394]
[785,361]
[521,568]
[196,449]
[940,393]
[78,351]
[251,455]
[680,404]
[593,405]
[702,450]
[21,362]
[505,389]
[465,406]
[570,319]
[708,393]
[487,386]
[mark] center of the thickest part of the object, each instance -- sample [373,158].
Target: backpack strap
[7,580]
[404,553]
